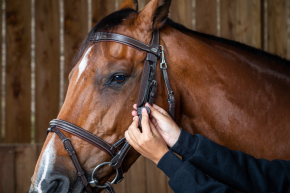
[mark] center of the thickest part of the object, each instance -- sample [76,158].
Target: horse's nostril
[52,186]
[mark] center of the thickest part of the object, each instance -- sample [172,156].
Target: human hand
[162,121]
[149,143]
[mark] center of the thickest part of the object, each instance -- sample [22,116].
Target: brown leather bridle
[147,93]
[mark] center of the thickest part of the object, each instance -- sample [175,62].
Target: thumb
[145,122]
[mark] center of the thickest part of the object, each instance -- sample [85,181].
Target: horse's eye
[119,78]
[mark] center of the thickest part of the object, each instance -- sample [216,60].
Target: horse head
[103,86]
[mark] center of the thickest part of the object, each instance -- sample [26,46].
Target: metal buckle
[94,182]
[168,96]
[63,141]
[163,64]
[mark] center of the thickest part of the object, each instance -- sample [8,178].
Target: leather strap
[170,97]
[145,92]
[110,188]
[85,135]
[92,139]
[68,146]
[105,36]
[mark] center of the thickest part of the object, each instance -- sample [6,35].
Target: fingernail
[147,105]
[144,110]
[134,118]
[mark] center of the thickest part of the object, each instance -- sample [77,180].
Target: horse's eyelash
[111,78]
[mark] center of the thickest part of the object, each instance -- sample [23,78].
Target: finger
[129,139]
[134,124]
[160,110]
[135,106]
[134,113]
[133,136]
[145,122]
[154,122]
[153,129]
[134,127]
[155,113]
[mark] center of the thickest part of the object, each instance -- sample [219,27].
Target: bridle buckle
[63,141]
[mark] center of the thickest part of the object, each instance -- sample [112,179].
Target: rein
[147,93]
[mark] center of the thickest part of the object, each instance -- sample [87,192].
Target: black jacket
[209,167]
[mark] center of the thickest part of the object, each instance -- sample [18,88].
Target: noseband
[147,93]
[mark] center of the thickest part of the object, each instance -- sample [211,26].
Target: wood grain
[18,39]
[140,4]
[25,161]
[136,177]
[228,19]
[277,27]
[47,62]
[206,16]
[100,9]
[249,22]
[75,31]
[241,21]
[121,187]
[7,170]
[181,12]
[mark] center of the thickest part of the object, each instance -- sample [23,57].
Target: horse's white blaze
[47,158]
[83,64]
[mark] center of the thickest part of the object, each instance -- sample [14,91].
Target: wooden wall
[259,23]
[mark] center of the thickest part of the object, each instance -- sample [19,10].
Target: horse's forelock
[107,24]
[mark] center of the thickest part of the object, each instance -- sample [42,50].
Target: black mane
[113,20]
[252,50]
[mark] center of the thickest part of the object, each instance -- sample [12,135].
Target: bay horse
[233,94]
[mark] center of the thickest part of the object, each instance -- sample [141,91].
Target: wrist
[175,136]
[160,155]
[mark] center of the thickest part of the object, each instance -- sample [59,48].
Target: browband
[105,36]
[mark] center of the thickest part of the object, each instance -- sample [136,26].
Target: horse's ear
[154,15]
[129,4]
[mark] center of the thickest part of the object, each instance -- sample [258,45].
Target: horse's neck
[226,94]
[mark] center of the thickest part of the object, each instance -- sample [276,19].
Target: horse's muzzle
[54,184]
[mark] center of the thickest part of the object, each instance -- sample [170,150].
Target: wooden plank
[25,161]
[228,19]
[249,22]
[7,172]
[75,31]
[18,40]
[100,9]
[206,16]
[47,62]
[38,149]
[156,179]
[277,27]
[121,187]
[136,177]
[181,12]
[141,4]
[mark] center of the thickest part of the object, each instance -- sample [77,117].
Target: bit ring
[94,182]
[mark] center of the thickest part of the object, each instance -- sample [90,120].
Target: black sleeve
[186,178]
[234,168]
